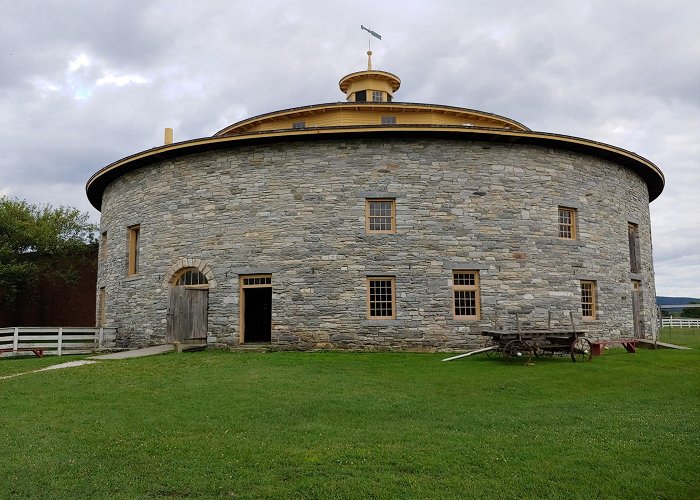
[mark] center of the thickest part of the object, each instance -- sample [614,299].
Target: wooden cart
[522,345]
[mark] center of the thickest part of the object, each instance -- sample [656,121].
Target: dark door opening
[257,315]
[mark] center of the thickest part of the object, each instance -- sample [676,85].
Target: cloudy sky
[84,83]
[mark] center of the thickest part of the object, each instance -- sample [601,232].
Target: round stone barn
[372,224]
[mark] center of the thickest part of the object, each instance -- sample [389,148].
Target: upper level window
[134,234]
[380,216]
[381,298]
[377,96]
[588,300]
[298,124]
[388,120]
[465,293]
[567,223]
[633,236]
[361,96]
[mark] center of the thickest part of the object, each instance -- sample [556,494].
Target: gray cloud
[85,83]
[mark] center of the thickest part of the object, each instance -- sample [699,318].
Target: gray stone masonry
[297,210]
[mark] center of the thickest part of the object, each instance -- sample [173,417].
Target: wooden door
[187,315]
[637,310]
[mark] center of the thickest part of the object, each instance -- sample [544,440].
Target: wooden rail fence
[55,340]
[681,322]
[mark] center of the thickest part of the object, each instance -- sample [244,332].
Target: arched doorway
[187,307]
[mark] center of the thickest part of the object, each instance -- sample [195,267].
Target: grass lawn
[344,425]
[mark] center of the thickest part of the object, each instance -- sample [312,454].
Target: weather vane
[369,45]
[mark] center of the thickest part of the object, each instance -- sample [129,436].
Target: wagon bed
[524,344]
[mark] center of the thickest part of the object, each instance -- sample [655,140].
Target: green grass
[343,425]
[10,365]
[683,336]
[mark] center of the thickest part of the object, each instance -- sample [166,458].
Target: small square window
[567,223]
[299,125]
[361,96]
[380,216]
[377,96]
[388,120]
[588,300]
[381,298]
[465,294]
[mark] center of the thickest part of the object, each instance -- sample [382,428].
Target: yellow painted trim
[296,114]
[390,78]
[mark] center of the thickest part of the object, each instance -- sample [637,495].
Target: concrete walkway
[649,344]
[67,364]
[137,353]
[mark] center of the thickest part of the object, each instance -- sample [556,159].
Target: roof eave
[651,174]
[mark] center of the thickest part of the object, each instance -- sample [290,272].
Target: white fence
[681,322]
[55,340]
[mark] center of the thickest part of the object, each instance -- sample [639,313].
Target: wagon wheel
[517,351]
[581,350]
[491,342]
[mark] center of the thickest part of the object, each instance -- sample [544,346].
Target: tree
[33,239]
[691,312]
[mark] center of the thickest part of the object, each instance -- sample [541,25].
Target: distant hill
[662,301]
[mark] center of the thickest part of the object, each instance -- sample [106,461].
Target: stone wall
[296,210]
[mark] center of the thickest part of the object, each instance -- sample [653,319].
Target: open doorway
[256,309]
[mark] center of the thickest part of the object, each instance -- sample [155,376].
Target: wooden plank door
[187,315]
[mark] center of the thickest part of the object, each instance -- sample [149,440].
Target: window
[103,244]
[361,96]
[298,124]
[134,249]
[633,236]
[102,298]
[380,216]
[567,223]
[465,293]
[381,298]
[192,277]
[588,300]
[257,280]
[377,96]
[388,120]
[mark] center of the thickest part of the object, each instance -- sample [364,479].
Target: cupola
[370,85]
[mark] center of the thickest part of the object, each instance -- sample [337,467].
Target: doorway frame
[246,281]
